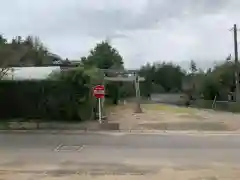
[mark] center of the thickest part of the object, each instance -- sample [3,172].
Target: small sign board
[99,91]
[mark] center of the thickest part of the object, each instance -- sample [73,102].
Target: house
[40,72]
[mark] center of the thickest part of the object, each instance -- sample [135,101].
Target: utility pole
[137,88]
[236,64]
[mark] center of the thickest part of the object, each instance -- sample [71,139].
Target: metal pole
[103,100]
[236,64]
[135,85]
[99,111]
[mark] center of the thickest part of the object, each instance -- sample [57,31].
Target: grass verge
[169,108]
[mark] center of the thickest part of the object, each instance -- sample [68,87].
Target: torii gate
[134,77]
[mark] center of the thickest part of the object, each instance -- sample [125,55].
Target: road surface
[47,156]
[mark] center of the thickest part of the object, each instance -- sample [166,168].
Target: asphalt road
[115,153]
[33,141]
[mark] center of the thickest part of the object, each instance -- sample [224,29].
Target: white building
[30,72]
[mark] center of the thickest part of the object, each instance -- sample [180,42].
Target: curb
[119,131]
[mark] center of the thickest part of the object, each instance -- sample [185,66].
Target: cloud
[142,30]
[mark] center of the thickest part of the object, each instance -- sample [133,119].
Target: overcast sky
[142,30]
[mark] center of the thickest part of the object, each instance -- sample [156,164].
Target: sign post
[99,93]
[99,111]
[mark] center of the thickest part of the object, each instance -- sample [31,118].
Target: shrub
[67,96]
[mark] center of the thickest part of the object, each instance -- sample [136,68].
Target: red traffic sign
[99,91]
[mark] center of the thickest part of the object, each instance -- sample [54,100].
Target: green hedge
[47,99]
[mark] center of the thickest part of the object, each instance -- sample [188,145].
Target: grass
[168,108]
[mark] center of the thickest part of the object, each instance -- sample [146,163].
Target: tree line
[216,82]
[22,52]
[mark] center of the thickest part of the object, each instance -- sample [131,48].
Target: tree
[224,80]
[10,54]
[2,40]
[191,82]
[148,72]
[38,54]
[169,76]
[218,80]
[161,77]
[193,67]
[103,56]
[4,70]
[87,78]
[23,52]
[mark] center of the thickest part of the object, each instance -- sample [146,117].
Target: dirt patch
[191,116]
[166,117]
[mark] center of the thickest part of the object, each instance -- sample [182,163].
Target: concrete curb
[120,131]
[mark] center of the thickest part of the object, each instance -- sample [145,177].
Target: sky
[142,30]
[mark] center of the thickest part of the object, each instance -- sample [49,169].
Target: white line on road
[58,147]
[81,148]
[65,148]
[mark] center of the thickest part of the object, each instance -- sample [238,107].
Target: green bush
[67,97]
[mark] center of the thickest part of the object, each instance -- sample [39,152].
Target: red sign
[99,91]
